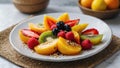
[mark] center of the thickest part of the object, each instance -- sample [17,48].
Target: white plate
[93,22]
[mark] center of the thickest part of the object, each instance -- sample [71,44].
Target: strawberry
[91,31]
[53,26]
[30,33]
[69,36]
[50,23]
[86,44]
[72,22]
[61,34]
[32,42]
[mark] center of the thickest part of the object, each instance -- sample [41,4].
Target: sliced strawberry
[30,33]
[91,31]
[53,26]
[72,22]
[51,23]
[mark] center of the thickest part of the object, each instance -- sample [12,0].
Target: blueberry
[55,31]
[60,25]
[67,27]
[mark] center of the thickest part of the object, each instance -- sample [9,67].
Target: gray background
[52,2]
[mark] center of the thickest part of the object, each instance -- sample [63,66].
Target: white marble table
[9,15]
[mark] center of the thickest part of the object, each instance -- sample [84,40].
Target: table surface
[9,15]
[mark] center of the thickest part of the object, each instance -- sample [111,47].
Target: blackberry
[55,31]
[67,27]
[60,25]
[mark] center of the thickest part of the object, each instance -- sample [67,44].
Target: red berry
[91,31]
[86,44]
[72,22]
[30,33]
[61,34]
[32,42]
[69,36]
[53,26]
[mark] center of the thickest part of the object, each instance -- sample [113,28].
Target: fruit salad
[63,35]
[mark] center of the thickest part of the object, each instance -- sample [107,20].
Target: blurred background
[5,1]
[52,2]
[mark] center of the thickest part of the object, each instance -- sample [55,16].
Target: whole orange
[86,3]
[112,4]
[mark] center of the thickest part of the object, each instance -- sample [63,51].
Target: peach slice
[76,36]
[49,21]
[37,29]
[63,17]
[23,37]
[25,34]
[46,48]
[68,48]
[80,27]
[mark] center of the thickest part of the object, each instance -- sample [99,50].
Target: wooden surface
[7,51]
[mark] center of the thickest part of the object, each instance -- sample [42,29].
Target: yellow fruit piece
[86,3]
[36,28]
[99,5]
[47,21]
[112,4]
[76,36]
[23,37]
[46,48]
[80,27]
[64,17]
[65,48]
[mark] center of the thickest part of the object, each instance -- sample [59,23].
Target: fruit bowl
[99,14]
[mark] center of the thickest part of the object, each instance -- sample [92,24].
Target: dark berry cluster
[61,26]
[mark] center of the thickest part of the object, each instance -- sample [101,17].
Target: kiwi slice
[46,36]
[95,39]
